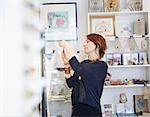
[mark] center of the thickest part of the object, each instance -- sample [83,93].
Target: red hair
[100,43]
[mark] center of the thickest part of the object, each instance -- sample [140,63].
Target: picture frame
[59,21]
[108,109]
[117,58]
[140,104]
[134,58]
[95,5]
[142,58]
[126,58]
[110,59]
[112,5]
[103,25]
[124,28]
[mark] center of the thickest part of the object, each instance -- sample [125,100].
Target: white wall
[10,59]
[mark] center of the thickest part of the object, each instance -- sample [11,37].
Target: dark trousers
[83,110]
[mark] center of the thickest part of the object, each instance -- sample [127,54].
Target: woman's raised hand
[63,44]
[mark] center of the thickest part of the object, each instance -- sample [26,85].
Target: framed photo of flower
[59,21]
[103,25]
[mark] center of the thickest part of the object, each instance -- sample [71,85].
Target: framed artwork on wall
[59,21]
[103,25]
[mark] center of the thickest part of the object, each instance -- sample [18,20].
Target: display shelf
[116,13]
[126,66]
[112,38]
[122,25]
[126,86]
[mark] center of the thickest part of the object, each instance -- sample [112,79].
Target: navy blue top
[88,89]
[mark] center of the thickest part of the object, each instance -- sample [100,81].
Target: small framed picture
[108,110]
[112,5]
[109,59]
[117,58]
[129,108]
[126,58]
[103,25]
[134,58]
[140,104]
[95,5]
[124,28]
[120,108]
[142,58]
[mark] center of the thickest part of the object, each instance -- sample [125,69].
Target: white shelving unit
[126,86]
[111,93]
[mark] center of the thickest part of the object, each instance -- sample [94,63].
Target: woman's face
[89,46]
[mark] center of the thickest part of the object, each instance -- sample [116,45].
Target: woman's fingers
[64,57]
[63,44]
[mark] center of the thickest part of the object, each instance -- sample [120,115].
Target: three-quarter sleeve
[76,66]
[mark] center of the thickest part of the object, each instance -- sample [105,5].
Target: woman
[88,78]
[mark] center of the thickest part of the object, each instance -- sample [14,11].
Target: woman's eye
[87,41]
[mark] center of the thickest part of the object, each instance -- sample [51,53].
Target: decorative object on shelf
[140,104]
[116,82]
[95,5]
[130,59]
[59,20]
[137,81]
[134,58]
[144,44]
[103,25]
[143,58]
[108,110]
[139,27]
[124,28]
[135,5]
[146,92]
[120,108]
[125,110]
[125,81]
[130,82]
[130,62]
[117,59]
[132,43]
[126,58]
[118,46]
[112,5]
[108,79]
[129,108]
[123,98]
[109,59]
